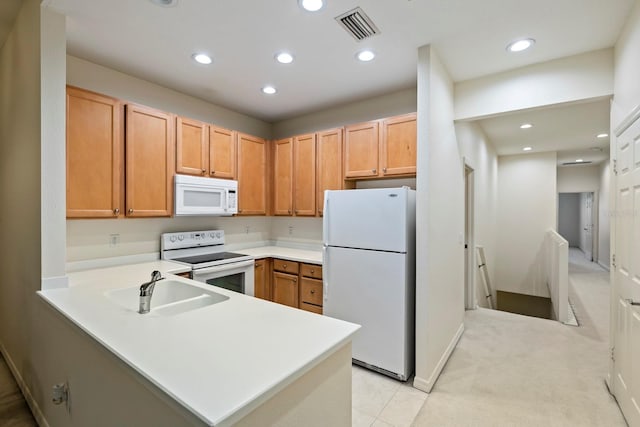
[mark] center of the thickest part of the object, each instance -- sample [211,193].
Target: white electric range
[205,252]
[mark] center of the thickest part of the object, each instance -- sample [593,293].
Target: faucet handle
[156,275]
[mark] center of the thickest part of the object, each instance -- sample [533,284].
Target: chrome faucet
[146,291]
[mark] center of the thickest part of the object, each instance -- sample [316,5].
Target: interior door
[626,265]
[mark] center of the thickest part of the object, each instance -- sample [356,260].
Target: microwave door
[196,200]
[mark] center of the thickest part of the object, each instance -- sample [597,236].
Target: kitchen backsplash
[106,238]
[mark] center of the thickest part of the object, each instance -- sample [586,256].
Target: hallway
[511,370]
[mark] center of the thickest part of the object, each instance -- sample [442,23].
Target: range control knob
[212,235]
[181,237]
[172,238]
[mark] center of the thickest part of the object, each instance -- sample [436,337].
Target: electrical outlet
[290,230]
[246,229]
[114,239]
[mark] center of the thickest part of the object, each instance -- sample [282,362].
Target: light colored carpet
[511,370]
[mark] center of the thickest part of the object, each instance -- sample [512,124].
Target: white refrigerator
[369,273]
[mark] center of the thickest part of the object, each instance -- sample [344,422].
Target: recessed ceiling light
[165,3]
[365,55]
[311,5]
[527,149]
[579,160]
[202,58]
[269,90]
[602,135]
[526,126]
[284,58]
[520,45]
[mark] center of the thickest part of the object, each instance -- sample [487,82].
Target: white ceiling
[570,129]
[155,43]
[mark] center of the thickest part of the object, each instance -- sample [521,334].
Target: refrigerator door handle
[325,279]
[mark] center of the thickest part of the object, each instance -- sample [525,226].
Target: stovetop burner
[201,259]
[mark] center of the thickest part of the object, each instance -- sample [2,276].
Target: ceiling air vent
[576,163]
[358,24]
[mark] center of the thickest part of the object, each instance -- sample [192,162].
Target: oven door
[235,276]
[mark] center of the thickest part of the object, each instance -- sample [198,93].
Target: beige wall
[110,82]
[388,105]
[439,223]
[479,154]
[578,179]
[627,69]
[527,200]
[580,77]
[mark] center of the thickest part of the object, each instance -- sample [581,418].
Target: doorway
[577,222]
[469,243]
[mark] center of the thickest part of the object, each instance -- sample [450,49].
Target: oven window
[203,198]
[233,282]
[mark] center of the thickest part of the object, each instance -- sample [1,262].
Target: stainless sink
[170,297]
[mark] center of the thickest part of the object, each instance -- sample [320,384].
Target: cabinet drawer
[311,291]
[311,270]
[310,307]
[285,266]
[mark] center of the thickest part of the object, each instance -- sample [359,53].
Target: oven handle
[224,267]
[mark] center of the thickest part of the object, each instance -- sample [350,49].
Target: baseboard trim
[427,384]
[606,267]
[33,405]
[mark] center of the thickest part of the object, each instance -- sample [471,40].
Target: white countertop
[206,358]
[291,254]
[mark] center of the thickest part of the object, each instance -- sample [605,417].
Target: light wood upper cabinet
[329,161]
[94,155]
[361,150]
[304,177]
[192,147]
[398,145]
[252,175]
[150,148]
[283,177]
[222,153]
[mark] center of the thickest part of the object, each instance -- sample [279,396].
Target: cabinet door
[398,145]
[192,147]
[95,155]
[150,152]
[329,153]
[285,289]
[304,177]
[252,175]
[283,177]
[361,150]
[261,279]
[222,149]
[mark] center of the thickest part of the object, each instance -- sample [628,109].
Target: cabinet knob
[204,171]
[284,265]
[295,280]
[213,172]
[384,170]
[313,291]
[116,211]
[130,210]
[239,210]
[312,271]
[374,170]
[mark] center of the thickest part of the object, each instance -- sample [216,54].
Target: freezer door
[367,219]
[370,288]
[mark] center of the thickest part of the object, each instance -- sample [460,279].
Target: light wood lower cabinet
[252,175]
[94,155]
[262,279]
[294,284]
[150,151]
[285,289]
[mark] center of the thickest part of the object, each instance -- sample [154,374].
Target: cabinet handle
[213,172]
[239,210]
[130,210]
[296,211]
[313,291]
[116,211]
[289,211]
[384,170]
[374,170]
[204,171]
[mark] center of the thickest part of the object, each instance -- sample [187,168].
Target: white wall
[578,179]
[527,201]
[580,77]
[604,224]
[478,152]
[388,105]
[439,223]
[626,85]
[569,218]
[97,78]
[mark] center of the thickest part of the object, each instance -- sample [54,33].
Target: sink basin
[170,297]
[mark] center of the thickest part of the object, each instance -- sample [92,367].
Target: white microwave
[195,195]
